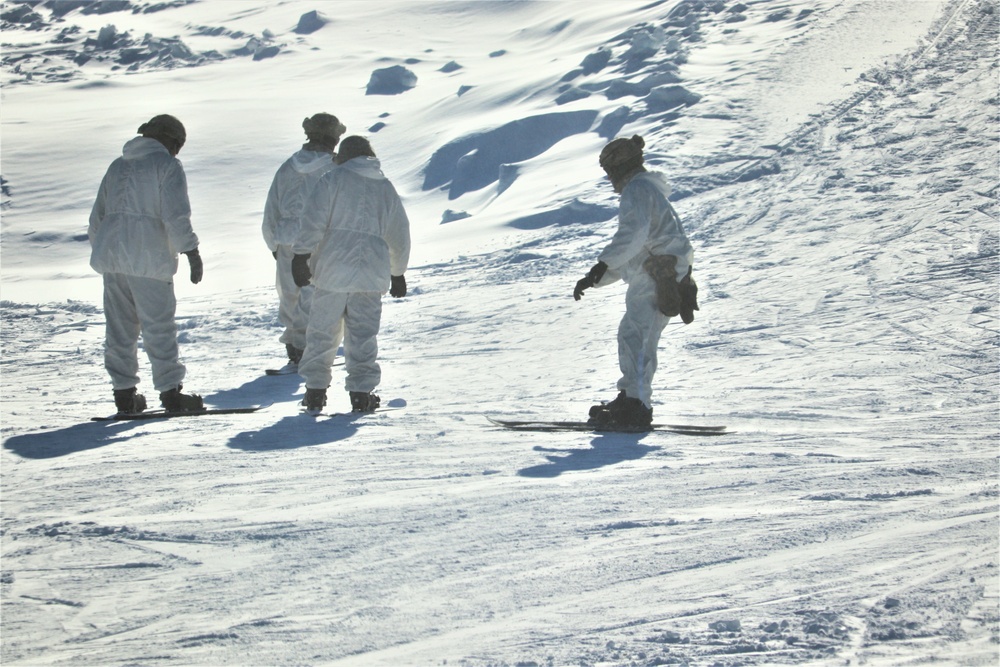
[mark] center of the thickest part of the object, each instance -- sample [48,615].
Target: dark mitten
[398,287]
[197,267]
[592,278]
[300,270]
[689,298]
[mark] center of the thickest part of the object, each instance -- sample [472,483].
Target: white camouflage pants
[293,301]
[639,337]
[134,305]
[355,315]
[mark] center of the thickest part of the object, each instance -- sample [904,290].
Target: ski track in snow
[848,335]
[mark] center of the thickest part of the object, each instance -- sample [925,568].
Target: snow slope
[836,166]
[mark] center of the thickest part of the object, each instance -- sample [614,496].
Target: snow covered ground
[836,165]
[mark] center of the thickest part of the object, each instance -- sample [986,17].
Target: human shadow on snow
[64,441]
[260,390]
[297,431]
[605,449]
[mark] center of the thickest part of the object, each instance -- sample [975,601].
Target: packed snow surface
[835,163]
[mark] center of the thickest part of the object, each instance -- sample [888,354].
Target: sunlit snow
[835,163]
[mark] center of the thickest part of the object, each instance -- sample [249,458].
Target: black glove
[592,278]
[197,267]
[689,297]
[300,270]
[398,287]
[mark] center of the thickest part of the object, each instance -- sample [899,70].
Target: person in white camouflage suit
[139,223]
[355,237]
[651,253]
[282,218]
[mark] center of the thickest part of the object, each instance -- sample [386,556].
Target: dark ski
[163,414]
[547,425]
[353,415]
[284,370]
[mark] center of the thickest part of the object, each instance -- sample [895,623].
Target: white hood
[309,162]
[142,217]
[647,224]
[356,229]
[286,198]
[366,167]
[140,147]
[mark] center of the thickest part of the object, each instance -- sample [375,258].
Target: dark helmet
[323,128]
[166,129]
[622,156]
[352,147]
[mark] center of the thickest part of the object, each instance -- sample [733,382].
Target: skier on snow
[651,253]
[140,221]
[282,215]
[355,237]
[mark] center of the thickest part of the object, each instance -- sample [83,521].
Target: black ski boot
[632,415]
[128,402]
[363,401]
[294,357]
[174,401]
[294,353]
[314,401]
[602,414]
[624,413]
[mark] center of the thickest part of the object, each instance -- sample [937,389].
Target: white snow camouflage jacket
[141,219]
[647,225]
[355,228]
[286,199]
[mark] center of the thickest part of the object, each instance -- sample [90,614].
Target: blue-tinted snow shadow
[264,389]
[474,161]
[304,430]
[575,212]
[605,449]
[297,431]
[65,441]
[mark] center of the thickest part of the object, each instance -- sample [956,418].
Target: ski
[288,370]
[163,414]
[547,425]
[355,415]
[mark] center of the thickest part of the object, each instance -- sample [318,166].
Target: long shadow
[297,431]
[76,438]
[263,389]
[286,434]
[89,435]
[605,449]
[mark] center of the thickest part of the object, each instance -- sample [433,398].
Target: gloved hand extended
[397,288]
[592,278]
[300,270]
[197,266]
